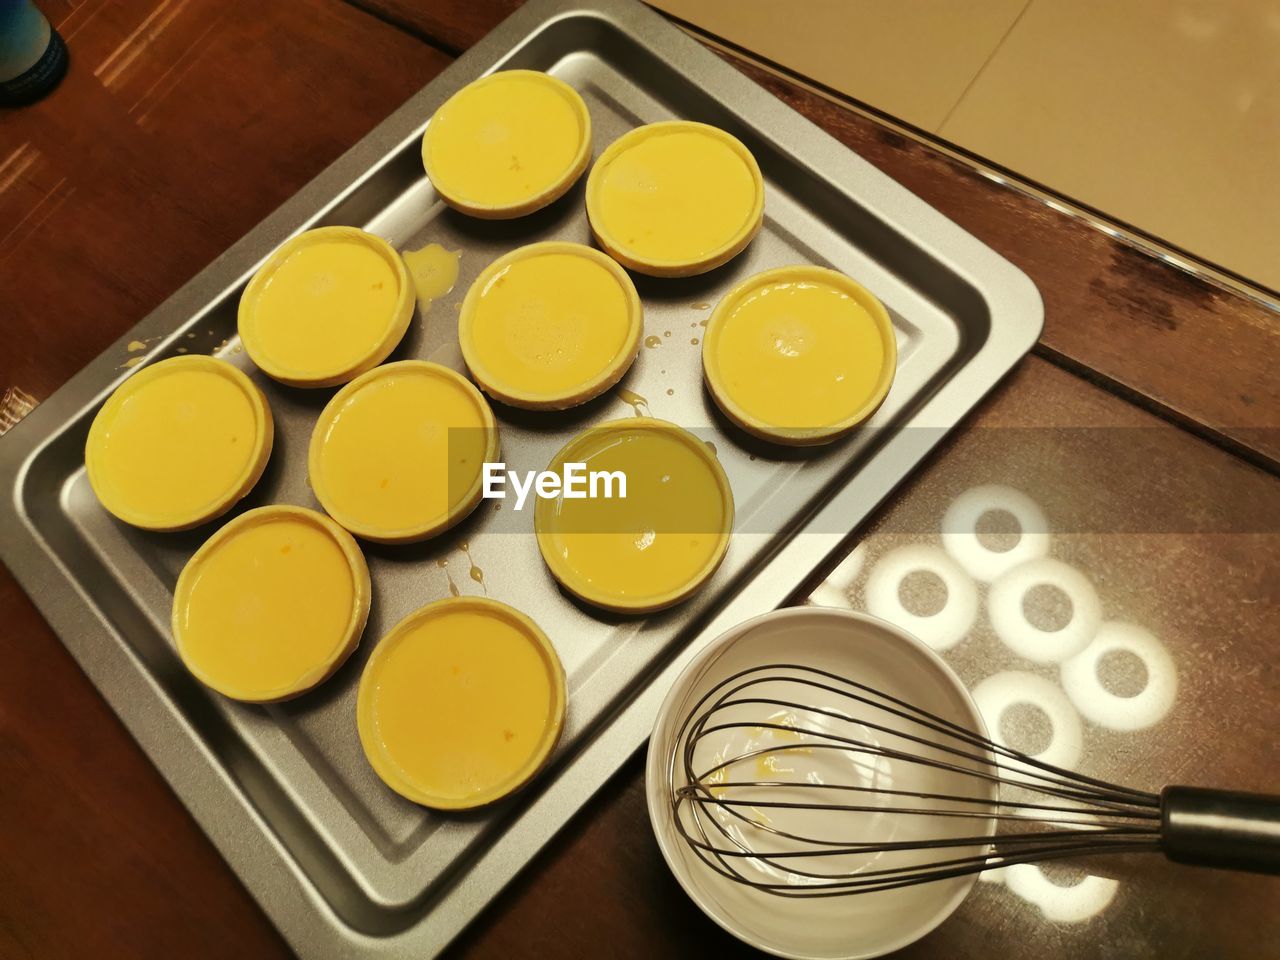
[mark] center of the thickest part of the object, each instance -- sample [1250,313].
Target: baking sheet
[340,863]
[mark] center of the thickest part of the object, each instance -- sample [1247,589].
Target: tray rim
[307,921]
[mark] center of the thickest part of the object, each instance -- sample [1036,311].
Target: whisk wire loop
[917,779]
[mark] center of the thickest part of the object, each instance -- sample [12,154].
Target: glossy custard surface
[507,143]
[552,324]
[397,454]
[799,350]
[178,443]
[657,545]
[675,194]
[328,305]
[271,605]
[461,703]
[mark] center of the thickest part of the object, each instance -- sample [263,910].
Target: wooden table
[1146,422]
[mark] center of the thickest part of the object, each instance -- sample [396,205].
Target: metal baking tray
[340,863]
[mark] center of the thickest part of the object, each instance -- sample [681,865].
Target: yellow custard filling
[675,198]
[461,703]
[550,325]
[799,354]
[397,454]
[272,604]
[178,443]
[507,144]
[658,544]
[328,305]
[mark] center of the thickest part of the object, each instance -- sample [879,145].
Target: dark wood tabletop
[1152,399]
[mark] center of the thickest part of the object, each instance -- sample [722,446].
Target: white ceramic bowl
[854,646]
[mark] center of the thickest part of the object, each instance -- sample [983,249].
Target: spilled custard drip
[774,764]
[443,564]
[638,403]
[434,271]
[475,572]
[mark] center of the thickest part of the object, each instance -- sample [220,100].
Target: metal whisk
[850,790]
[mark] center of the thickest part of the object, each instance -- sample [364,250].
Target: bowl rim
[658,762]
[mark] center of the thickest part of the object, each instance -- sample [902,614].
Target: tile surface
[912,60]
[1163,115]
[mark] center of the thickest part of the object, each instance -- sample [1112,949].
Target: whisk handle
[1221,828]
